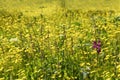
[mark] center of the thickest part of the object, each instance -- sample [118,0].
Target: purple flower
[97,46]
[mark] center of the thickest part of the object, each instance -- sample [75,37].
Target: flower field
[67,45]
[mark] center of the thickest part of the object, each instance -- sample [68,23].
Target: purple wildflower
[97,46]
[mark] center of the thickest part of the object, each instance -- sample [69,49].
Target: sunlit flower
[13,39]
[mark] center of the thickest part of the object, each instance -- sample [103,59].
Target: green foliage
[59,46]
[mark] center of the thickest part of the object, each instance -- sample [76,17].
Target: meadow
[69,44]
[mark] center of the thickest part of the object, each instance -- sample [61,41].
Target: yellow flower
[53,76]
[82,64]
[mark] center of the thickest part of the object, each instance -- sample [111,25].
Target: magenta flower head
[97,46]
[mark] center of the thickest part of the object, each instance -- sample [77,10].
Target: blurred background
[49,6]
